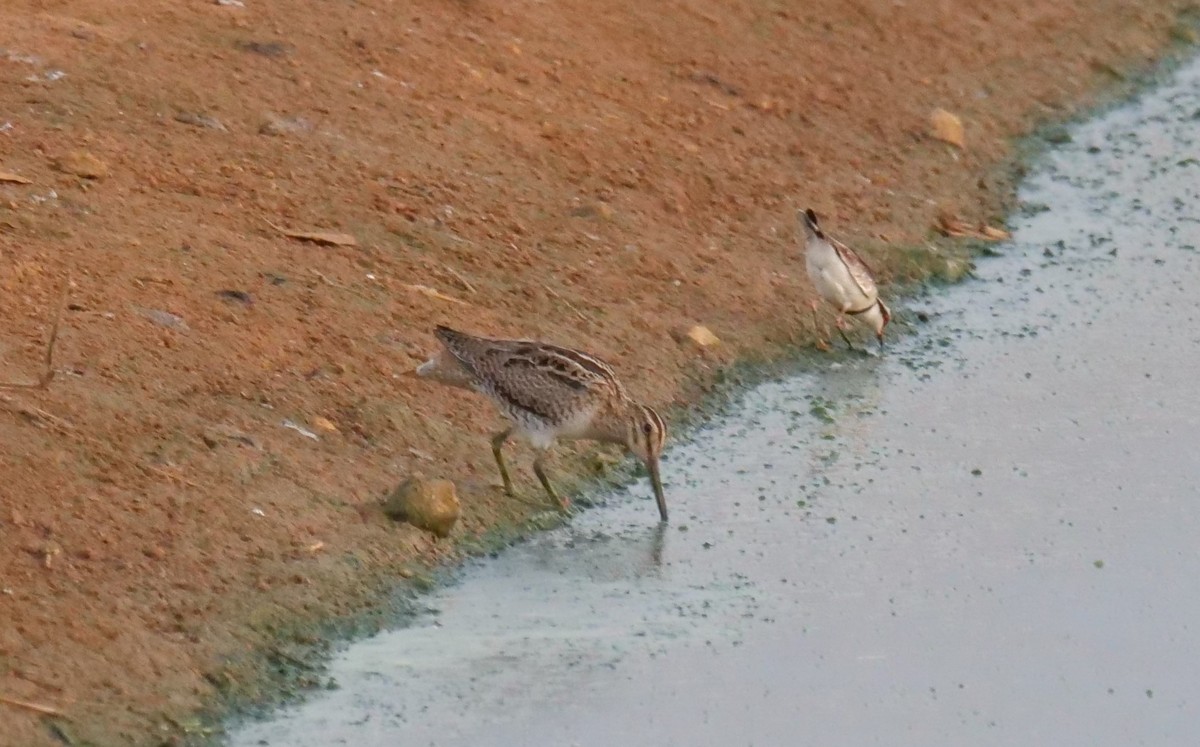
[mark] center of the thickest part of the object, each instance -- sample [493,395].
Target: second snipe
[549,393]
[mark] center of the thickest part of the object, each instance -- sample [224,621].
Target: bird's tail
[445,368]
[427,369]
[809,220]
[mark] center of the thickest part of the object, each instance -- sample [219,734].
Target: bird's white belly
[542,435]
[835,285]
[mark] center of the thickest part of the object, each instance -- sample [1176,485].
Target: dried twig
[329,238]
[956,228]
[327,281]
[169,475]
[466,284]
[44,380]
[433,293]
[340,286]
[567,303]
[35,707]
[35,413]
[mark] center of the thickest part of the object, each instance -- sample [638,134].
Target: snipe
[549,393]
[842,279]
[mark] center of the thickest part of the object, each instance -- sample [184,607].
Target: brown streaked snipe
[549,393]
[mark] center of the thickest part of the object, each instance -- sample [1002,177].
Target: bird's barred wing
[542,379]
[859,270]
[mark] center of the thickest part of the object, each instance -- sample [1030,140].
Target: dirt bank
[598,175]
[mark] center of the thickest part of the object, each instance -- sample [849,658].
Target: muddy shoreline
[305,670]
[855,531]
[159,598]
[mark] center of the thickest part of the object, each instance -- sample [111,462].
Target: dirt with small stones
[262,209]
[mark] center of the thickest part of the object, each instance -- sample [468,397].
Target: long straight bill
[658,489]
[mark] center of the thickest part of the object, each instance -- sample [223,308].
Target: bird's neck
[610,423]
[820,248]
[873,318]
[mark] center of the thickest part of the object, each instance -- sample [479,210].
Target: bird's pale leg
[822,343]
[540,471]
[498,443]
[841,328]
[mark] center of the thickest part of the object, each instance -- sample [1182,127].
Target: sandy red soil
[593,173]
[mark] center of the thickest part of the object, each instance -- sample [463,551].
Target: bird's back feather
[858,269]
[823,251]
[528,378]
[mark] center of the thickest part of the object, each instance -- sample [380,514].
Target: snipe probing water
[842,279]
[549,393]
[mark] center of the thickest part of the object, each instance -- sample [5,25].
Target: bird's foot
[539,505]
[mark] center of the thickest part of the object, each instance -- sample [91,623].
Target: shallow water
[985,537]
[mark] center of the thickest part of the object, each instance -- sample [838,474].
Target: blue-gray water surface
[987,536]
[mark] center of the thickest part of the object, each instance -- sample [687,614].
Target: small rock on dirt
[281,126]
[163,318]
[602,461]
[266,49]
[698,335]
[196,119]
[82,164]
[427,504]
[236,296]
[324,424]
[601,210]
[954,269]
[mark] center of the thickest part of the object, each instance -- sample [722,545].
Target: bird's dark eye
[646,428]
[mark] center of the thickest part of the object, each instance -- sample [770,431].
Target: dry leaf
[765,104]
[45,710]
[83,164]
[14,178]
[960,229]
[328,238]
[953,227]
[434,293]
[700,335]
[947,128]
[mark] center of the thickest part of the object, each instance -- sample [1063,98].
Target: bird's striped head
[808,220]
[886,315]
[646,432]
[878,317]
[645,435]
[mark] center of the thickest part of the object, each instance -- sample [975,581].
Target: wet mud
[984,536]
